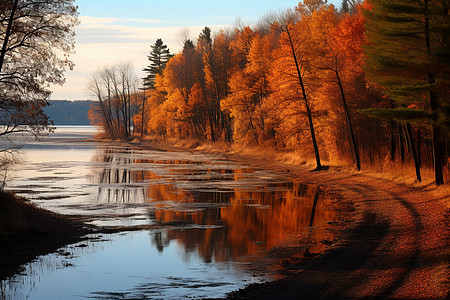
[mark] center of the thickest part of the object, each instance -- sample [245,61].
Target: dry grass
[383,169]
[392,171]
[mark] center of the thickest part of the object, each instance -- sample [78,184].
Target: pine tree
[159,56]
[407,54]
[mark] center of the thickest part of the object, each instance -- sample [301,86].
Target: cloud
[101,22]
[104,42]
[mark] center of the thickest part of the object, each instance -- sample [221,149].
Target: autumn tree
[407,54]
[180,76]
[218,62]
[159,56]
[36,38]
[209,102]
[249,88]
[335,48]
[293,68]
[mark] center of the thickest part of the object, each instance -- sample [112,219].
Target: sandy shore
[396,245]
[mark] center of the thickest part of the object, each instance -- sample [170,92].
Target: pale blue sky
[184,13]
[115,31]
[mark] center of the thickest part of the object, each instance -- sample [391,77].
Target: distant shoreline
[65,112]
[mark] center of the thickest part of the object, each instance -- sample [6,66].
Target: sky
[117,31]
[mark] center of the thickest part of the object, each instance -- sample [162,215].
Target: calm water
[222,216]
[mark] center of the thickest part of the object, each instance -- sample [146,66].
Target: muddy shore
[393,242]
[39,232]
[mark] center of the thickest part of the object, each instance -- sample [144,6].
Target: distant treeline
[64,112]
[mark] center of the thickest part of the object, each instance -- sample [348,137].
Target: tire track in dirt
[400,247]
[411,259]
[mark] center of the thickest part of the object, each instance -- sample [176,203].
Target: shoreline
[40,233]
[401,227]
[395,245]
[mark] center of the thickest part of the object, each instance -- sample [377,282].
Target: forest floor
[396,245]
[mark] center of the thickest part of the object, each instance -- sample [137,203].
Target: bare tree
[116,89]
[36,38]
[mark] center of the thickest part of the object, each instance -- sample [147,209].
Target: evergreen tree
[159,56]
[408,54]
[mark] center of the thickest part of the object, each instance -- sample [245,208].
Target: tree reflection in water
[227,212]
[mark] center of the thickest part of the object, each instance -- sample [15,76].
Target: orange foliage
[243,86]
[247,221]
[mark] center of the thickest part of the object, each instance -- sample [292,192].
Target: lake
[206,224]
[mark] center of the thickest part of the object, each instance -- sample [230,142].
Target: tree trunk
[402,146]
[308,110]
[412,147]
[142,117]
[393,143]
[7,34]
[434,105]
[419,152]
[349,124]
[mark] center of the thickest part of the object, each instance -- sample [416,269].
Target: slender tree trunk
[402,146]
[109,128]
[305,98]
[371,155]
[142,117]
[109,111]
[354,144]
[412,147]
[8,33]
[437,153]
[393,143]
[435,105]
[226,123]
[419,143]
[210,115]
[108,123]
[255,134]
[211,126]
[130,119]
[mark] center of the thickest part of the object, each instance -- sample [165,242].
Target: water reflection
[222,212]
[217,214]
[122,266]
[115,179]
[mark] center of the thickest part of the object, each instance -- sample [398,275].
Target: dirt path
[398,246]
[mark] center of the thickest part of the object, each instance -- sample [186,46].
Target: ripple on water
[221,213]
